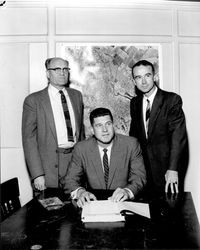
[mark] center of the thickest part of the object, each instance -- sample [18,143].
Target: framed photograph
[102,72]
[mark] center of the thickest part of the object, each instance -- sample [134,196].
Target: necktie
[106,167]
[67,116]
[147,113]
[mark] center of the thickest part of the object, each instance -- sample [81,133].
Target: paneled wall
[30,31]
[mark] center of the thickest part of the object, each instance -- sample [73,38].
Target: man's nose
[62,72]
[105,128]
[143,79]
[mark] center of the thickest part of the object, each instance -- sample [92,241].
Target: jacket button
[56,166]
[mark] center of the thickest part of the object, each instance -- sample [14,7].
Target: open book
[108,211]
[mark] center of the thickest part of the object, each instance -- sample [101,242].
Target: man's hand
[120,194]
[171,178]
[84,196]
[39,183]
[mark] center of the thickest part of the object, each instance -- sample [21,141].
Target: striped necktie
[67,116]
[106,167]
[147,114]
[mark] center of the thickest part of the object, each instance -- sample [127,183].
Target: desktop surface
[173,225]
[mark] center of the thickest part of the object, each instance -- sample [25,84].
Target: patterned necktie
[106,167]
[147,114]
[67,116]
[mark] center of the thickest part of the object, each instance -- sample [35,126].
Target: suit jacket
[163,148]
[39,134]
[126,166]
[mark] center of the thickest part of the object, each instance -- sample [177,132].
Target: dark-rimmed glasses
[60,70]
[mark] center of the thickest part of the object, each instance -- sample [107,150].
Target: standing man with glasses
[52,123]
[106,161]
[158,121]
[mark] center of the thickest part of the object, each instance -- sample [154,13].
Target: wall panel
[167,66]
[113,21]
[13,159]
[23,21]
[188,21]
[38,55]
[14,87]
[189,90]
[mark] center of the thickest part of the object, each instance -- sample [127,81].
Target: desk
[173,225]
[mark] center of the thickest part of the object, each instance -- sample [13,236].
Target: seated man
[107,161]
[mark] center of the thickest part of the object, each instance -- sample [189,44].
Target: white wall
[30,31]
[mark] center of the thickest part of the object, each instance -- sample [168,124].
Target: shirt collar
[54,91]
[108,148]
[151,97]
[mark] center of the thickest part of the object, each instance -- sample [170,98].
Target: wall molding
[102,3]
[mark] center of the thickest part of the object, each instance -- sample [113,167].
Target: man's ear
[92,130]
[155,78]
[47,74]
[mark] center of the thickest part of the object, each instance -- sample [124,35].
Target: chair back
[9,198]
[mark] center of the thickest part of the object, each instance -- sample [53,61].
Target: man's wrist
[80,192]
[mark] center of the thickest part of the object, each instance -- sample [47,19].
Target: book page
[102,211]
[101,207]
[136,207]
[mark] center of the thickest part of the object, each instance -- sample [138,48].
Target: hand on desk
[120,194]
[84,196]
[171,178]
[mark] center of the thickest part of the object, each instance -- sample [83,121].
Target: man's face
[144,79]
[103,129]
[56,78]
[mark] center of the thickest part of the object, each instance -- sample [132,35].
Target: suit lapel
[116,157]
[155,110]
[45,100]
[139,114]
[97,164]
[73,100]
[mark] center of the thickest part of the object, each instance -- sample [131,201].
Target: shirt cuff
[130,193]
[74,194]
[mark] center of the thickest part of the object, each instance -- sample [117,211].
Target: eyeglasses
[140,78]
[60,70]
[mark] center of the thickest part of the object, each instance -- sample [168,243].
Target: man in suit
[120,168]
[158,122]
[52,123]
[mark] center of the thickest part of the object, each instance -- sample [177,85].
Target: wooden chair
[9,198]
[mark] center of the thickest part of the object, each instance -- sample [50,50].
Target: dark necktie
[67,116]
[106,167]
[147,113]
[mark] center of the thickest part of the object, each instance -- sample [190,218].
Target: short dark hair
[48,61]
[143,63]
[99,112]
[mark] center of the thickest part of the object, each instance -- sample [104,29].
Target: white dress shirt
[59,118]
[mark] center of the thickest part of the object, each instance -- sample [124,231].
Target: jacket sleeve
[29,138]
[74,176]
[137,172]
[177,132]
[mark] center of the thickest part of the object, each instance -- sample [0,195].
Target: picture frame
[102,72]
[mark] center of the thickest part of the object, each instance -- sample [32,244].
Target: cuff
[130,193]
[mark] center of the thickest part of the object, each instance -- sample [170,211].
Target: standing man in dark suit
[158,122]
[106,161]
[52,124]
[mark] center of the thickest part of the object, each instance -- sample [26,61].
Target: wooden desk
[173,225]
